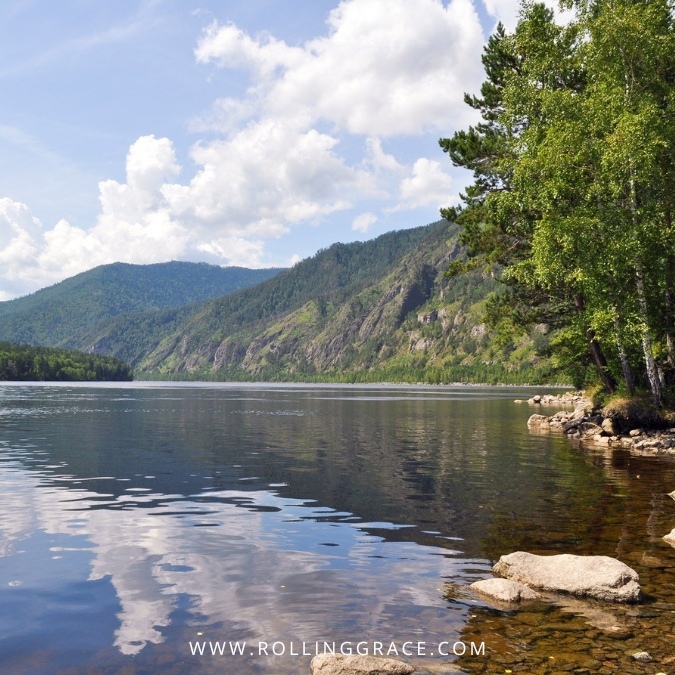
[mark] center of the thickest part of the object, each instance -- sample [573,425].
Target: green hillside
[28,363]
[377,310]
[58,315]
[332,273]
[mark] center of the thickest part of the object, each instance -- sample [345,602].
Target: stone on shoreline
[583,409]
[538,421]
[569,398]
[598,577]
[672,495]
[339,664]
[504,590]
[559,420]
[589,429]
[573,425]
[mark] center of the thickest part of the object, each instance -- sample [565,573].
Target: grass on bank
[633,412]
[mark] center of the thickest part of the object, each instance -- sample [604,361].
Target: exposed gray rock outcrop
[338,664]
[598,577]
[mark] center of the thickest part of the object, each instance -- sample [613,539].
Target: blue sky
[249,133]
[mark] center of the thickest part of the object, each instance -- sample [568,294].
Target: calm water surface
[136,520]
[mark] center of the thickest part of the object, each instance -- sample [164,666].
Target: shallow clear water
[139,520]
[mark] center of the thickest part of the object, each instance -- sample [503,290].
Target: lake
[143,523]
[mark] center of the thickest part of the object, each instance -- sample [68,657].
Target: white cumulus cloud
[263,178]
[428,185]
[363,222]
[508,12]
[235,250]
[386,66]
[19,234]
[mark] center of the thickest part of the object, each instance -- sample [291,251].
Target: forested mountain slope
[334,272]
[376,310]
[59,314]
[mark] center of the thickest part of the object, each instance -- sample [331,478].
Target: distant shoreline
[158,384]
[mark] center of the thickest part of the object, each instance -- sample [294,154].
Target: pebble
[643,657]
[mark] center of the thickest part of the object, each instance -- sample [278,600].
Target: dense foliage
[574,167]
[58,315]
[25,362]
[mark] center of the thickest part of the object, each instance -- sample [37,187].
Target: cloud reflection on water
[261,565]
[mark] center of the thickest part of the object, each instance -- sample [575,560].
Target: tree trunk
[596,352]
[670,339]
[652,371]
[625,363]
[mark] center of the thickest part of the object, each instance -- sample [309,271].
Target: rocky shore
[604,427]
[575,398]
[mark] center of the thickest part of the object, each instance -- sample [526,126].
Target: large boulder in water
[594,576]
[339,664]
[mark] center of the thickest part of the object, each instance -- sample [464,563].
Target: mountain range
[54,316]
[379,310]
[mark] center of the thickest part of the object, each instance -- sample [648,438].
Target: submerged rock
[598,577]
[643,657]
[504,590]
[670,537]
[339,664]
[600,616]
